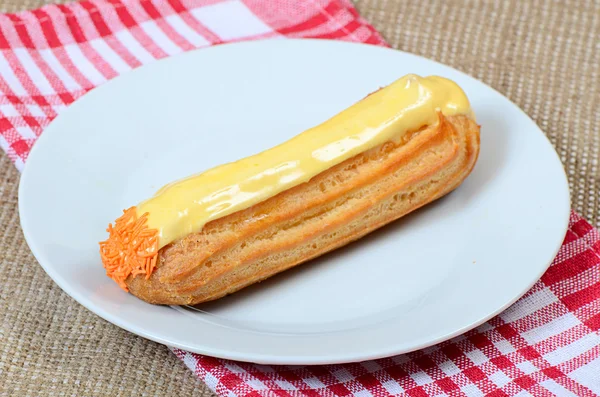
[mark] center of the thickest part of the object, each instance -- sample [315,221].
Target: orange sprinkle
[131,248]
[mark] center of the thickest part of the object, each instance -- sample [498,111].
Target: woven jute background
[543,55]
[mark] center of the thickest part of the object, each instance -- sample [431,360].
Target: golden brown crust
[334,208]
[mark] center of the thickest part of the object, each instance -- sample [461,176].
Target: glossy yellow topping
[185,206]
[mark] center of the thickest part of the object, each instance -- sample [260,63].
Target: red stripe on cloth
[596,247]
[448,386]
[96,18]
[594,323]
[571,268]
[311,393]
[581,227]
[111,18]
[75,30]
[583,297]
[74,22]
[21,31]
[339,390]
[231,381]
[175,37]
[5,125]
[540,317]
[27,84]
[569,237]
[573,284]
[20,147]
[558,340]
[48,30]
[26,116]
[312,23]
[45,21]
[577,361]
[327,17]
[97,61]
[345,31]
[586,312]
[52,78]
[282,393]
[374,38]
[3,41]
[567,367]
[123,14]
[136,30]
[193,23]
[14,145]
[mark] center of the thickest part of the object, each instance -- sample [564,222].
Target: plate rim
[258,357]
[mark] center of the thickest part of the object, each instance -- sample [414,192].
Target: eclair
[213,233]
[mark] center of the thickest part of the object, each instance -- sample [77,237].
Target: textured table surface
[543,55]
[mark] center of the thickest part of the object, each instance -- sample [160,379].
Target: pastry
[214,233]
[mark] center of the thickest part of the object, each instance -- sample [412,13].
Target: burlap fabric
[543,55]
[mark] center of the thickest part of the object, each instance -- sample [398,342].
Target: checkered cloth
[54,55]
[548,343]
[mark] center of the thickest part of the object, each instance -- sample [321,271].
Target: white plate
[428,277]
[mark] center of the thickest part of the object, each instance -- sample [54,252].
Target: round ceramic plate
[423,279]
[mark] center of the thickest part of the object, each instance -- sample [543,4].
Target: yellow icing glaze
[185,206]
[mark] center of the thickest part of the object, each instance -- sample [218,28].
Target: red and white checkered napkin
[54,55]
[547,343]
